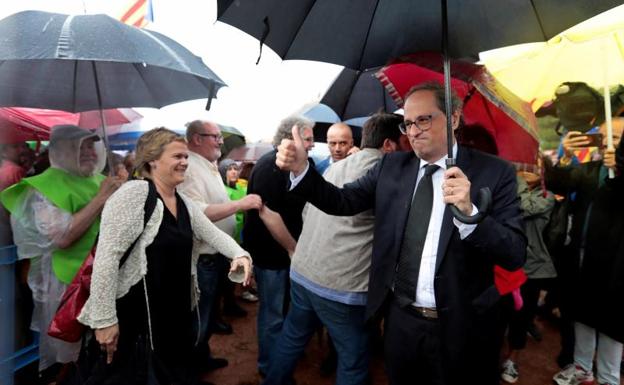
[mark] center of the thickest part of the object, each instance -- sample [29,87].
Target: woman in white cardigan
[149,301]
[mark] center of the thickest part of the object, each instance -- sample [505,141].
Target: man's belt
[424,312]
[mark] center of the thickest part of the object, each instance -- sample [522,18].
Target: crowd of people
[362,244]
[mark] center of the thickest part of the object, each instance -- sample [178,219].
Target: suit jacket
[464,280]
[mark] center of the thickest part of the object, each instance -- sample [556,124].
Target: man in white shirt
[204,185]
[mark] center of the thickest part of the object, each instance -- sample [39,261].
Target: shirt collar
[442,161]
[205,162]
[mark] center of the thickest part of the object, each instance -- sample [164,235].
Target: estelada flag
[138,13]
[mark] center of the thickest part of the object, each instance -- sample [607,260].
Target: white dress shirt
[204,185]
[425,293]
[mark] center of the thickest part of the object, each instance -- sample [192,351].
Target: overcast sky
[257,96]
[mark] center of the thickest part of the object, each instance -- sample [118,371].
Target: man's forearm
[217,211]
[81,221]
[276,226]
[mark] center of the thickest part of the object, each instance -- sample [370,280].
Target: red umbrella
[114,117]
[507,119]
[19,124]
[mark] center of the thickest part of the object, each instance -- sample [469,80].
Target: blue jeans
[346,325]
[208,269]
[272,295]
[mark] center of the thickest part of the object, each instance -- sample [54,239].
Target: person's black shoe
[234,310]
[534,332]
[214,364]
[221,327]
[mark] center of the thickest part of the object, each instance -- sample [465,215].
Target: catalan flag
[138,13]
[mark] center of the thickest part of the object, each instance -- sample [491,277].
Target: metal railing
[12,357]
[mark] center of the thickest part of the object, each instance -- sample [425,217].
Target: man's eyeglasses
[423,122]
[217,137]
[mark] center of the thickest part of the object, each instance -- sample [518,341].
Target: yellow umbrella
[590,52]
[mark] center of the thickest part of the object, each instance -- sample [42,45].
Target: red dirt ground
[536,365]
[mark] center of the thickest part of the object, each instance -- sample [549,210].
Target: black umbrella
[90,62]
[367,33]
[65,62]
[352,98]
[362,34]
[356,94]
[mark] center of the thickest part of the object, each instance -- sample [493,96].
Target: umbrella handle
[485,200]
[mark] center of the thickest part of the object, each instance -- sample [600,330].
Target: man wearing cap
[55,222]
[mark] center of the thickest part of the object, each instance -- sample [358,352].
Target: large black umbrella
[361,34]
[91,62]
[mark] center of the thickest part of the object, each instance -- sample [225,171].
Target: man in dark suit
[431,276]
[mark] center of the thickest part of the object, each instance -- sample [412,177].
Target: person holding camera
[584,184]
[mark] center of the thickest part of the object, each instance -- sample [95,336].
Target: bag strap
[148,208]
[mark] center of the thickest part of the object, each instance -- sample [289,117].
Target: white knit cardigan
[122,222]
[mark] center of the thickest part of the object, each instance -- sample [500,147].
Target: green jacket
[235,194]
[70,193]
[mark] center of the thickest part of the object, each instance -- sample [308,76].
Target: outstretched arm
[276,226]
[217,211]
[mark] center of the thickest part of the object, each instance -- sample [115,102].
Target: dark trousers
[207,278]
[412,348]
[519,321]
[225,289]
[567,266]
[415,353]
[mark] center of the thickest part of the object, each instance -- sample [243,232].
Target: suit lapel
[448,227]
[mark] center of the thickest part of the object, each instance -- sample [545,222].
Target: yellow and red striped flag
[138,13]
